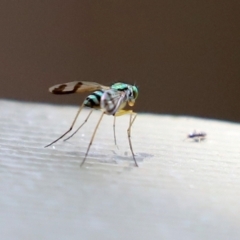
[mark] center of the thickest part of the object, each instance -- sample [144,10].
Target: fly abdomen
[93,100]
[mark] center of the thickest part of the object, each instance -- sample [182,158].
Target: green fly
[111,100]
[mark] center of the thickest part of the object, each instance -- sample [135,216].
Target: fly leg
[79,126]
[91,141]
[79,110]
[131,121]
[114,131]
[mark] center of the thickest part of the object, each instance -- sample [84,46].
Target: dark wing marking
[76,87]
[112,101]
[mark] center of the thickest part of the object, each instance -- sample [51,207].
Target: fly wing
[112,101]
[76,87]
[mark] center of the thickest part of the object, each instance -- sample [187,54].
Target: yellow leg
[79,126]
[131,121]
[79,110]
[91,141]
[114,131]
[129,136]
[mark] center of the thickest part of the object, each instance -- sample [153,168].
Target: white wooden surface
[182,189]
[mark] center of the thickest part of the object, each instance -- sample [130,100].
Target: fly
[111,100]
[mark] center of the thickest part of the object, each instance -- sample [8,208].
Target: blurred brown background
[184,55]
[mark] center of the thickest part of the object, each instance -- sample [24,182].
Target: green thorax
[126,87]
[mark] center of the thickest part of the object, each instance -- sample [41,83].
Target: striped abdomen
[93,100]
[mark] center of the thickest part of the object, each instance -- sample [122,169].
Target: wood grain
[182,189]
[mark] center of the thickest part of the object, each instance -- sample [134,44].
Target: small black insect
[197,136]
